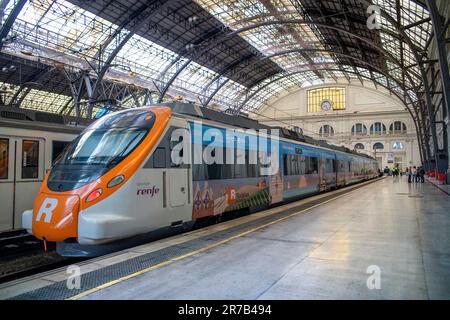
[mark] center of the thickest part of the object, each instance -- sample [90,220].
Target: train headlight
[115,181]
[94,195]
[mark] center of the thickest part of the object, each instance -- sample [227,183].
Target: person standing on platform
[414,174]
[408,173]
[422,174]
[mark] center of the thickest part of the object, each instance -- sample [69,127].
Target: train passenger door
[172,180]
[178,187]
[179,173]
[21,174]
[322,174]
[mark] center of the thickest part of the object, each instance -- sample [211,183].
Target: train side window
[159,158]
[240,169]
[288,165]
[312,165]
[30,159]
[57,148]
[285,164]
[295,165]
[4,158]
[329,165]
[162,157]
[252,168]
[342,166]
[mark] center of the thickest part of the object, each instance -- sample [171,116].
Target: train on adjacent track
[29,142]
[119,178]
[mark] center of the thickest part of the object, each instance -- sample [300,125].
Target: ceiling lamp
[26,52]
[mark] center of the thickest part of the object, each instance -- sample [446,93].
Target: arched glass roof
[227,54]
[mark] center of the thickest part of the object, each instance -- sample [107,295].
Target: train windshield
[102,147]
[98,149]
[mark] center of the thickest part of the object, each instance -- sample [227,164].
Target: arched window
[398,145]
[359,146]
[326,131]
[378,128]
[359,129]
[378,146]
[397,127]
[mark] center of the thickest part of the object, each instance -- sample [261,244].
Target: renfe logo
[47,207]
[148,192]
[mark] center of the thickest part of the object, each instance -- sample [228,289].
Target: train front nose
[55,217]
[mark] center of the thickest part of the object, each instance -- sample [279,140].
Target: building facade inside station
[368,120]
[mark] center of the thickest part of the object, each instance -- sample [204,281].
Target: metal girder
[323,25]
[134,21]
[211,96]
[326,16]
[439,30]
[64,108]
[3,4]
[429,105]
[439,37]
[209,37]
[6,27]
[224,72]
[105,68]
[415,24]
[172,79]
[273,9]
[77,81]
[26,87]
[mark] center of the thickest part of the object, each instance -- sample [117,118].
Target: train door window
[159,158]
[57,148]
[4,158]
[30,159]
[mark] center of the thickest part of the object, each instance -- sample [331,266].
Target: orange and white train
[118,179]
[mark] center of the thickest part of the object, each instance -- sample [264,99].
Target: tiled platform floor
[401,229]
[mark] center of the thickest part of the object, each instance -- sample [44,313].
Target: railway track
[21,255]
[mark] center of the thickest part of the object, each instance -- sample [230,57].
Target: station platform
[330,246]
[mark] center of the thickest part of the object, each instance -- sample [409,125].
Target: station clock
[326,105]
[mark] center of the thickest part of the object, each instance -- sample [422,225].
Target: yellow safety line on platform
[167,262]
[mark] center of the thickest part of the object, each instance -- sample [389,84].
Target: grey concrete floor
[400,230]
